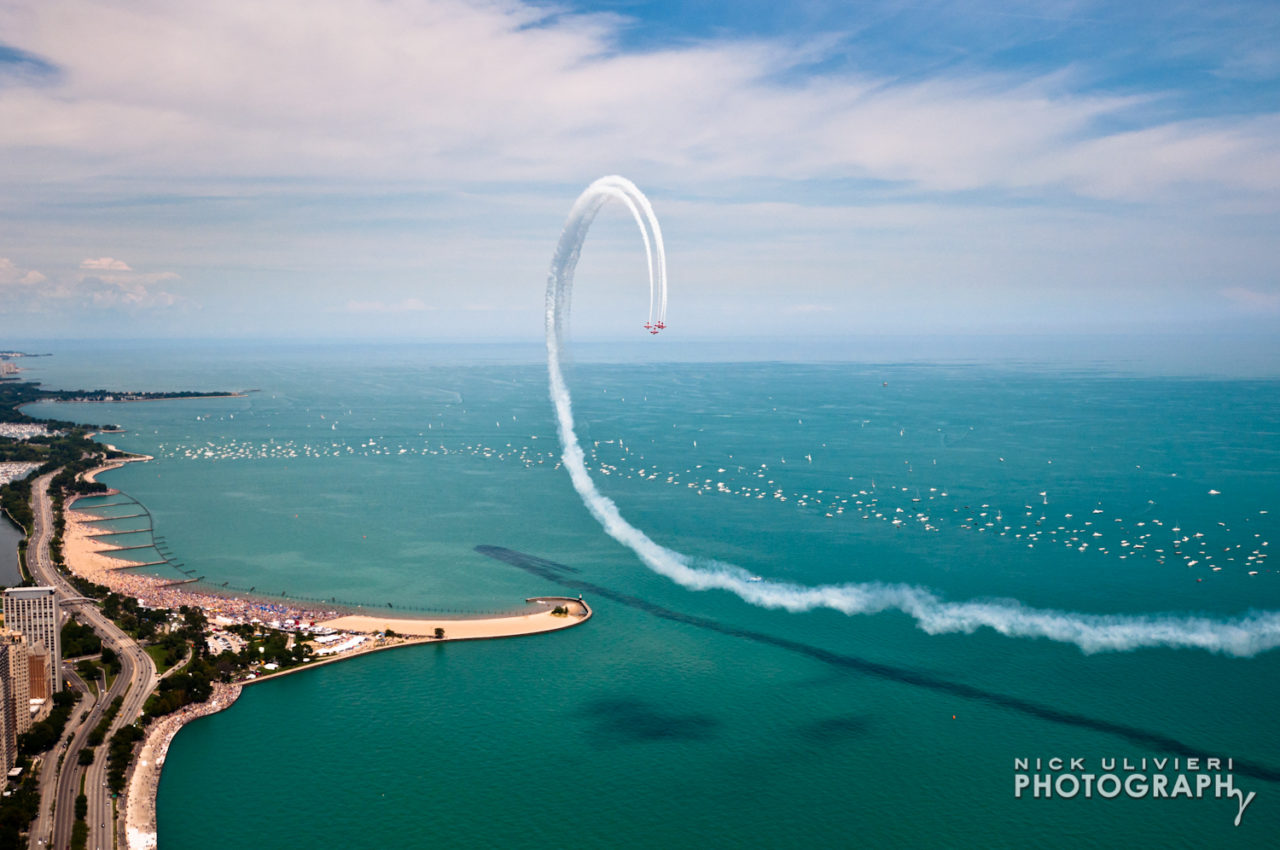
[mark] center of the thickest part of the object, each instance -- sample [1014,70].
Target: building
[38,671]
[34,612]
[8,732]
[14,718]
[17,681]
[15,702]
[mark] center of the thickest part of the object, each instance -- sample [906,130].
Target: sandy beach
[91,558]
[87,556]
[492,627]
[144,781]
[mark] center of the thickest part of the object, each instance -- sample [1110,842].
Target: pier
[179,581]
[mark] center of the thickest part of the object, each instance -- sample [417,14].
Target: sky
[378,169]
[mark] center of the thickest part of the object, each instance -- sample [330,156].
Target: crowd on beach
[97,565]
[157,593]
[141,802]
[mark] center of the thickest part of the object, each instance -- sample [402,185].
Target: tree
[439,633]
[79,639]
[118,754]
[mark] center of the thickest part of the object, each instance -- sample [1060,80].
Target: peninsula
[157,653]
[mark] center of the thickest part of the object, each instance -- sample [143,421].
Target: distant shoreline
[130,400]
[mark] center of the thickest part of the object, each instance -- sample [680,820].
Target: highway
[136,681]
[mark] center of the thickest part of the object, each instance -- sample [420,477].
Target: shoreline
[142,788]
[403,640]
[89,558]
[136,400]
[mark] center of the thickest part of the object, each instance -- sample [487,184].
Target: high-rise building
[15,701]
[17,691]
[34,612]
[8,714]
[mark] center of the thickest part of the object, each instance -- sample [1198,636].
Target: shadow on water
[563,575]
[638,720]
[834,729]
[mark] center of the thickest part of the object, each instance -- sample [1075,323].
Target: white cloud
[278,152]
[1149,163]
[504,91]
[117,286]
[128,291]
[106,264]
[11,275]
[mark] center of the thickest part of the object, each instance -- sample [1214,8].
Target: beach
[457,629]
[701,689]
[144,780]
[353,634]
[90,558]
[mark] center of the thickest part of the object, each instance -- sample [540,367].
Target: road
[41,830]
[136,681]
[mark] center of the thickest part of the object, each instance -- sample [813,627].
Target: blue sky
[371,168]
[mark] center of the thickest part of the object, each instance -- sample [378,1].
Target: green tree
[79,639]
[79,835]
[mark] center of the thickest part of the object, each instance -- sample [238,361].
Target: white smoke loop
[1255,632]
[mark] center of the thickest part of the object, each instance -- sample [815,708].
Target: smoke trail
[1257,631]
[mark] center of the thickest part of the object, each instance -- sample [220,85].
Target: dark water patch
[831,730]
[533,563]
[635,720]
[1151,740]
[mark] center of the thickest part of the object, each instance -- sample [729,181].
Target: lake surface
[688,718]
[10,537]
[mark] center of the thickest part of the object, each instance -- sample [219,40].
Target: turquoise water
[682,718]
